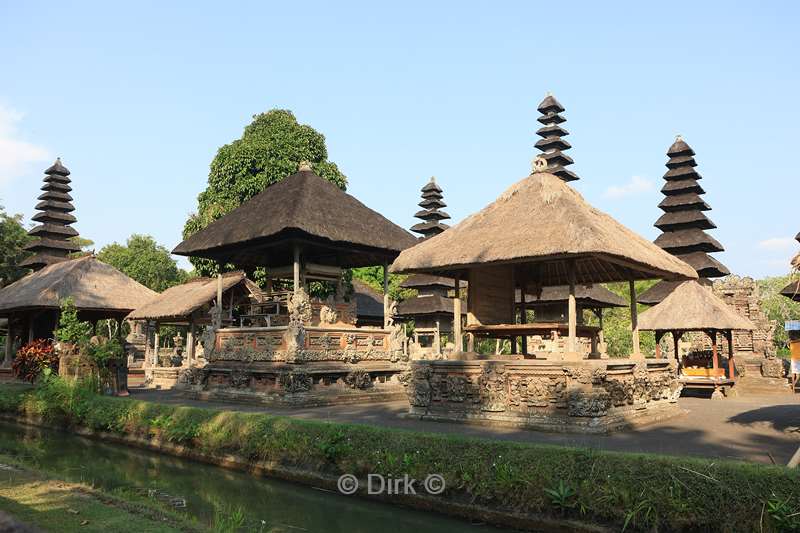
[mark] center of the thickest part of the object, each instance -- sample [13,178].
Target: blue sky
[136,99]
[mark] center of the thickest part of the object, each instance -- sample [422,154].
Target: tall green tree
[13,238]
[144,260]
[270,149]
[778,307]
[617,322]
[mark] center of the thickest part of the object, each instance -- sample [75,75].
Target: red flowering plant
[33,358]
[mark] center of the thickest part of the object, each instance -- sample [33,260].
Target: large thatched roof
[542,220]
[92,284]
[592,296]
[333,228]
[691,306]
[182,300]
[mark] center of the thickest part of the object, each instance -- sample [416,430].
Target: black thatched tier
[552,144]
[432,202]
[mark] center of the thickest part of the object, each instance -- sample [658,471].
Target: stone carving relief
[358,379]
[295,381]
[328,315]
[493,386]
[240,379]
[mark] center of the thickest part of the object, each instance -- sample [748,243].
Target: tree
[144,260]
[617,323]
[270,149]
[778,307]
[373,276]
[13,238]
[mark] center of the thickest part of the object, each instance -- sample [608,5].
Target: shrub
[33,358]
[70,329]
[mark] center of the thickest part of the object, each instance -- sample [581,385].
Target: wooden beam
[714,355]
[9,345]
[731,364]
[637,348]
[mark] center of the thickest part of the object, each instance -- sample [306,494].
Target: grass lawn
[53,505]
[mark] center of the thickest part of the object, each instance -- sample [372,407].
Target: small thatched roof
[332,227]
[693,307]
[543,221]
[418,281]
[369,302]
[591,296]
[180,301]
[92,284]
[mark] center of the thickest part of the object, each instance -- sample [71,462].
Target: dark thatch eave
[57,168]
[420,281]
[332,227]
[674,220]
[792,291]
[689,240]
[681,202]
[426,305]
[369,302]
[589,296]
[92,284]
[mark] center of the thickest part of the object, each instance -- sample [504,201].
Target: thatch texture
[182,300]
[542,220]
[693,307]
[590,296]
[333,227]
[92,284]
[419,281]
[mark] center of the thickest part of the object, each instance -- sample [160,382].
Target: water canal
[208,490]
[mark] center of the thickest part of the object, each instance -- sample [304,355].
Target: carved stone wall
[741,293]
[588,396]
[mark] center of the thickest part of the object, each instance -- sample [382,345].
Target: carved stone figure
[418,386]
[358,379]
[295,381]
[493,386]
[585,403]
[240,379]
[328,315]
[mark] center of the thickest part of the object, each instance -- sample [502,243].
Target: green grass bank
[503,482]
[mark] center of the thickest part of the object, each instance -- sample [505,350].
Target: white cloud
[636,185]
[778,244]
[16,155]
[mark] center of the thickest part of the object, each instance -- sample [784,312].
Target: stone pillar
[296,269]
[457,316]
[155,347]
[572,312]
[637,349]
[190,342]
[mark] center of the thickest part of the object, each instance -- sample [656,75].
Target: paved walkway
[760,429]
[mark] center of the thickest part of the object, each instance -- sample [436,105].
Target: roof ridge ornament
[539,164]
[304,166]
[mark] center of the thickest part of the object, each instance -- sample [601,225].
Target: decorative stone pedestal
[762,375]
[589,396]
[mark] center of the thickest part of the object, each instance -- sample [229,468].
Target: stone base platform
[760,385]
[589,396]
[162,377]
[298,385]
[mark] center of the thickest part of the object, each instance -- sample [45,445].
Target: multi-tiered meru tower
[431,214]
[684,222]
[54,233]
[552,143]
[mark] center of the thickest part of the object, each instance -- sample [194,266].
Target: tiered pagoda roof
[54,234]
[431,214]
[552,143]
[684,222]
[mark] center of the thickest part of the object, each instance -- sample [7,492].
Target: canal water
[267,504]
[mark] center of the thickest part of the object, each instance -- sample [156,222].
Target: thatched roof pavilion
[99,291]
[694,307]
[538,233]
[302,211]
[178,304]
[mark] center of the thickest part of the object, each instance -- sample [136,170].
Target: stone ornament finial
[678,137]
[304,166]
[539,164]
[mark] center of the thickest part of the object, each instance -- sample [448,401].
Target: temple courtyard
[761,429]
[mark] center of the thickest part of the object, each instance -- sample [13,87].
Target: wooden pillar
[676,339]
[386,294]
[296,272]
[30,328]
[731,364]
[523,317]
[9,355]
[601,334]
[190,341]
[714,354]
[572,311]
[637,349]
[659,335]
[457,341]
[156,341]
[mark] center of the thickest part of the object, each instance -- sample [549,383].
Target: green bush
[622,490]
